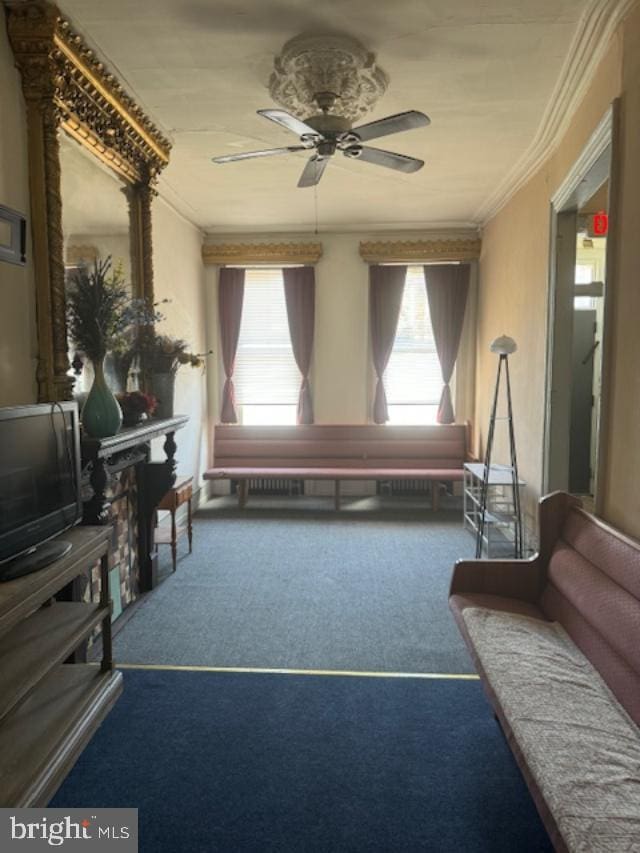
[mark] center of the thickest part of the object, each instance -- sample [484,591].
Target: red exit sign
[600,224]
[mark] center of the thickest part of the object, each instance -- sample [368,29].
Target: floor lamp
[503,347]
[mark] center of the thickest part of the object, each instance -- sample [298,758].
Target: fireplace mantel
[104,458]
[130,437]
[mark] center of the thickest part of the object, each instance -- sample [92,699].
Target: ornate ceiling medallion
[326,65]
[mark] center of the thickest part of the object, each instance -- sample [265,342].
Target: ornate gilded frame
[67,86]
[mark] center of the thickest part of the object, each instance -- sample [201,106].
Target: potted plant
[161,356]
[98,304]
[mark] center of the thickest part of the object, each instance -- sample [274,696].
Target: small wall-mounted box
[13,236]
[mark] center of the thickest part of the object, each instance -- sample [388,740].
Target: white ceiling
[483,70]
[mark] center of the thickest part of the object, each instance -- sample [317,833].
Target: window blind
[413,375]
[265,371]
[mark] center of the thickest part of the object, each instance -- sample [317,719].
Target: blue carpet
[233,762]
[290,584]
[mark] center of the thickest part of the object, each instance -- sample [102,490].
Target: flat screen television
[39,484]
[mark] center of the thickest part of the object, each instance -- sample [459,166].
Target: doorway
[579,285]
[586,350]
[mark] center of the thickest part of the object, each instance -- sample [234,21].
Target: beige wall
[514,288]
[179,277]
[341,376]
[17,318]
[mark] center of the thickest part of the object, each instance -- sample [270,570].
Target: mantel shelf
[129,437]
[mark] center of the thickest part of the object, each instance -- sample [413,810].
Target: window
[413,380]
[266,376]
[585,273]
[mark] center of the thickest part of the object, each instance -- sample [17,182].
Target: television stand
[49,709]
[35,559]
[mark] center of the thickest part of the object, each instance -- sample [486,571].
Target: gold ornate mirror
[69,91]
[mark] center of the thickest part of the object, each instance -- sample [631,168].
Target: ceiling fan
[327,133]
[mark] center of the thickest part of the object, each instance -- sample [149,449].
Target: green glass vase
[101,413]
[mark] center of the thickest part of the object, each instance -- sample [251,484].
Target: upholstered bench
[556,640]
[340,452]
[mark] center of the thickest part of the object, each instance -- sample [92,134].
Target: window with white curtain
[413,380]
[266,377]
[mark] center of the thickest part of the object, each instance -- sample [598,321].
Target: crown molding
[420,229]
[402,251]
[591,40]
[261,253]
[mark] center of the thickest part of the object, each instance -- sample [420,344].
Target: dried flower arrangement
[165,354]
[98,304]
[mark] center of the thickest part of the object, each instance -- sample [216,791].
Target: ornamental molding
[66,86]
[58,67]
[75,255]
[595,30]
[312,64]
[261,253]
[420,251]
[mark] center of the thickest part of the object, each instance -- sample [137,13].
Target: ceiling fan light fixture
[326,148]
[308,75]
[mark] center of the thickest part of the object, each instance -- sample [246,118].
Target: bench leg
[243,493]
[435,495]
[336,495]
[190,526]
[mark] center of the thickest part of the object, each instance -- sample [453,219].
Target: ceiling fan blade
[378,157]
[391,124]
[248,155]
[290,122]
[313,171]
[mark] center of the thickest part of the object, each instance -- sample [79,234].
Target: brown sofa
[340,452]
[556,641]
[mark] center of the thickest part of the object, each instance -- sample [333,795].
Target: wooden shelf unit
[50,709]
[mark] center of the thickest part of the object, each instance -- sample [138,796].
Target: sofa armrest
[511,578]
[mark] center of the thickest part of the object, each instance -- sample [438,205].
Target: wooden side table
[181,493]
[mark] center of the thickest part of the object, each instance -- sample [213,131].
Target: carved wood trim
[91,104]
[77,254]
[401,251]
[262,253]
[66,86]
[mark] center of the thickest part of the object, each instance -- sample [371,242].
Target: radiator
[404,487]
[272,486]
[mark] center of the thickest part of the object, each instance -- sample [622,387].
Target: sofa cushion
[458,603]
[328,472]
[371,446]
[579,744]
[610,608]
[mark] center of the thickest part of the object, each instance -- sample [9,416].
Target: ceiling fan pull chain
[315,204]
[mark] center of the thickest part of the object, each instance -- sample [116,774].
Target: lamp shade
[504,345]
